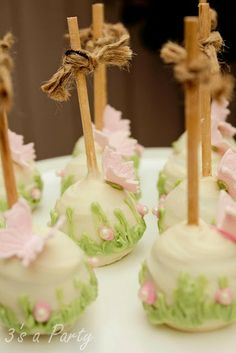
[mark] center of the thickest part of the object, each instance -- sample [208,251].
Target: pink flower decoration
[118,171]
[113,121]
[217,139]
[118,141]
[227,171]
[224,296]
[219,110]
[18,238]
[226,129]
[60,173]
[106,233]
[226,216]
[142,209]
[36,193]
[139,149]
[42,312]
[21,154]
[147,293]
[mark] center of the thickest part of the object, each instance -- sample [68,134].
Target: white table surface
[116,321]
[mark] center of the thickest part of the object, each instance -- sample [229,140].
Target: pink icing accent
[118,171]
[106,233]
[155,211]
[113,121]
[36,193]
[61,173]
[226,216]
[142,209]
[147,293]
[42,311]
[18,238]
[227,171]
[93,261]
[224,296]
[21,154]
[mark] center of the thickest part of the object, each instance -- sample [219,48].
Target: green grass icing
[67,314]
[161,215]
[191,306]
[125,236]
[161,184]
[67,182]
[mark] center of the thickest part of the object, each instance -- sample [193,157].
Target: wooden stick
[83,100]
[100,89]
[7,165]
[192,119]
[205,96]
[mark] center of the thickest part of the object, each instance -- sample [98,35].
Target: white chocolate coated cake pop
[44,278]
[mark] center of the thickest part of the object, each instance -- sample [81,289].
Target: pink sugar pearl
[106,233]
[93,261]
[42,311]
[224,296]
[36,193]
[142,209]
[147,293]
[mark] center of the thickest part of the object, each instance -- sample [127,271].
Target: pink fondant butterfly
[18,238]
[20,153]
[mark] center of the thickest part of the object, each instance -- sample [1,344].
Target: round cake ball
[29,185]
[188,281]
[101,218]
[80,147]
[175,171]
[173,208]
[76,170]
[45,281]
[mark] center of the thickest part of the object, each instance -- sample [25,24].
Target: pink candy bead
[142,209]
[155,212]
[224,296]
[147,293]
[93,261]
[106,233]
[36,193]
[42,312]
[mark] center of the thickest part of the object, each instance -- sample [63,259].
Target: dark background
[147,94]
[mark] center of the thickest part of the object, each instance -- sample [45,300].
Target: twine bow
[196,71]
[111,33]
[84,61]
[6,65]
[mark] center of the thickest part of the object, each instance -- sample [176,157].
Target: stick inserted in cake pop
[83,99]
[205,95]
[192,119]
[5,103]
[100,89]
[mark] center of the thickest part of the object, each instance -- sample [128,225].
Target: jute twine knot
[6,65]
[211,47]
[196,71]
[111,33]
[84,61]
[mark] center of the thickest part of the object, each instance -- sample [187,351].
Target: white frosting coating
[196,250]
[175,204]
[80,196]
[77,167]
[80,147]
[180,144]
[175,169]
[24,177]
[55,268]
